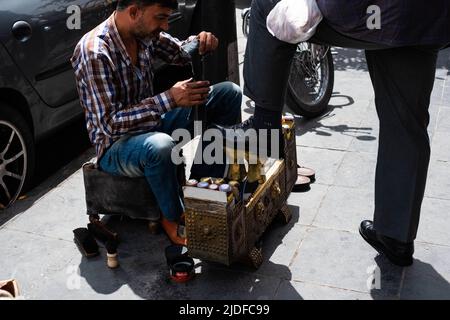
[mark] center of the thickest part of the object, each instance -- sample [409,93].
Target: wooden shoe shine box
[227,231]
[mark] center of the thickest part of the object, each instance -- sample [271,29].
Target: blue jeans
[149,154]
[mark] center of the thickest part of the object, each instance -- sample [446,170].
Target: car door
[181,20]
[43,34]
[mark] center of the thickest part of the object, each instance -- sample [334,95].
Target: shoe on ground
[302,184]
[399,253]
[307,172]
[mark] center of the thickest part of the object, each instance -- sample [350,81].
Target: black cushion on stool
[108,194]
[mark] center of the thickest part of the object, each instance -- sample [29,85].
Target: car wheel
[16,155]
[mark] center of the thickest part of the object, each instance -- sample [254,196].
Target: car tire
[17,155]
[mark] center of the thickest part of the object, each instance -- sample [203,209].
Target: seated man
[128,123]
[401,56]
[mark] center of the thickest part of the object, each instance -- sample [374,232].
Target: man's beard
[143,34]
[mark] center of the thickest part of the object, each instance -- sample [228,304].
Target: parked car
[37,85]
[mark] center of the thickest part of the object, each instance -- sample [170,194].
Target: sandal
[307,172]
[302,184]
[305,177]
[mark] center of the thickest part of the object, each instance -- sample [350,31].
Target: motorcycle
[311,78]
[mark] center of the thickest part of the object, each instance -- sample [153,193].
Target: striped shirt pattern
[116,95]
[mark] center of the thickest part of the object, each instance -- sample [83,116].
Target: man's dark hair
[123,4]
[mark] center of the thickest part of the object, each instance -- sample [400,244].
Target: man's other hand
[208,42]
[190,93]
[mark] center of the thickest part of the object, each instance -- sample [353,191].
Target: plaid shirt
[403,22]
[117,96]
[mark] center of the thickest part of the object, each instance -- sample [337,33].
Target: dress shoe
[247,134]
[399,253]
[236,133]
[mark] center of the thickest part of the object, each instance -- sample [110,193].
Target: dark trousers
[402,78]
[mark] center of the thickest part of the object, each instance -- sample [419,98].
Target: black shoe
[240,137]
[237,132]
[399,253]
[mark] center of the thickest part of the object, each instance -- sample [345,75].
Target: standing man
[128,123]
[401,56]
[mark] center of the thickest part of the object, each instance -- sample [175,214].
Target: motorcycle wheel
[311,80]
[246,22]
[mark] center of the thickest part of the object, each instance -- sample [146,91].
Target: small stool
[117,195]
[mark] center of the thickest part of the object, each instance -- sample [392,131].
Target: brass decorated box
[290,154]
[226,229]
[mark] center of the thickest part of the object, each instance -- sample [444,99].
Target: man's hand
[188,93]
[208,42]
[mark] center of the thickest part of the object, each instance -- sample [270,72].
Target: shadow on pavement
[305,125]
[315,125]
[144,270]
[419,281]
[387,279]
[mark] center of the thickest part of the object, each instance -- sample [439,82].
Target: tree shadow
[144,270]
[360,133]
[317,127]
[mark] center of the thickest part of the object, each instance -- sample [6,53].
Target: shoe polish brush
[111,253]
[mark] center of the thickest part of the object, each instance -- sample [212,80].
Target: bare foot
[171,229]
